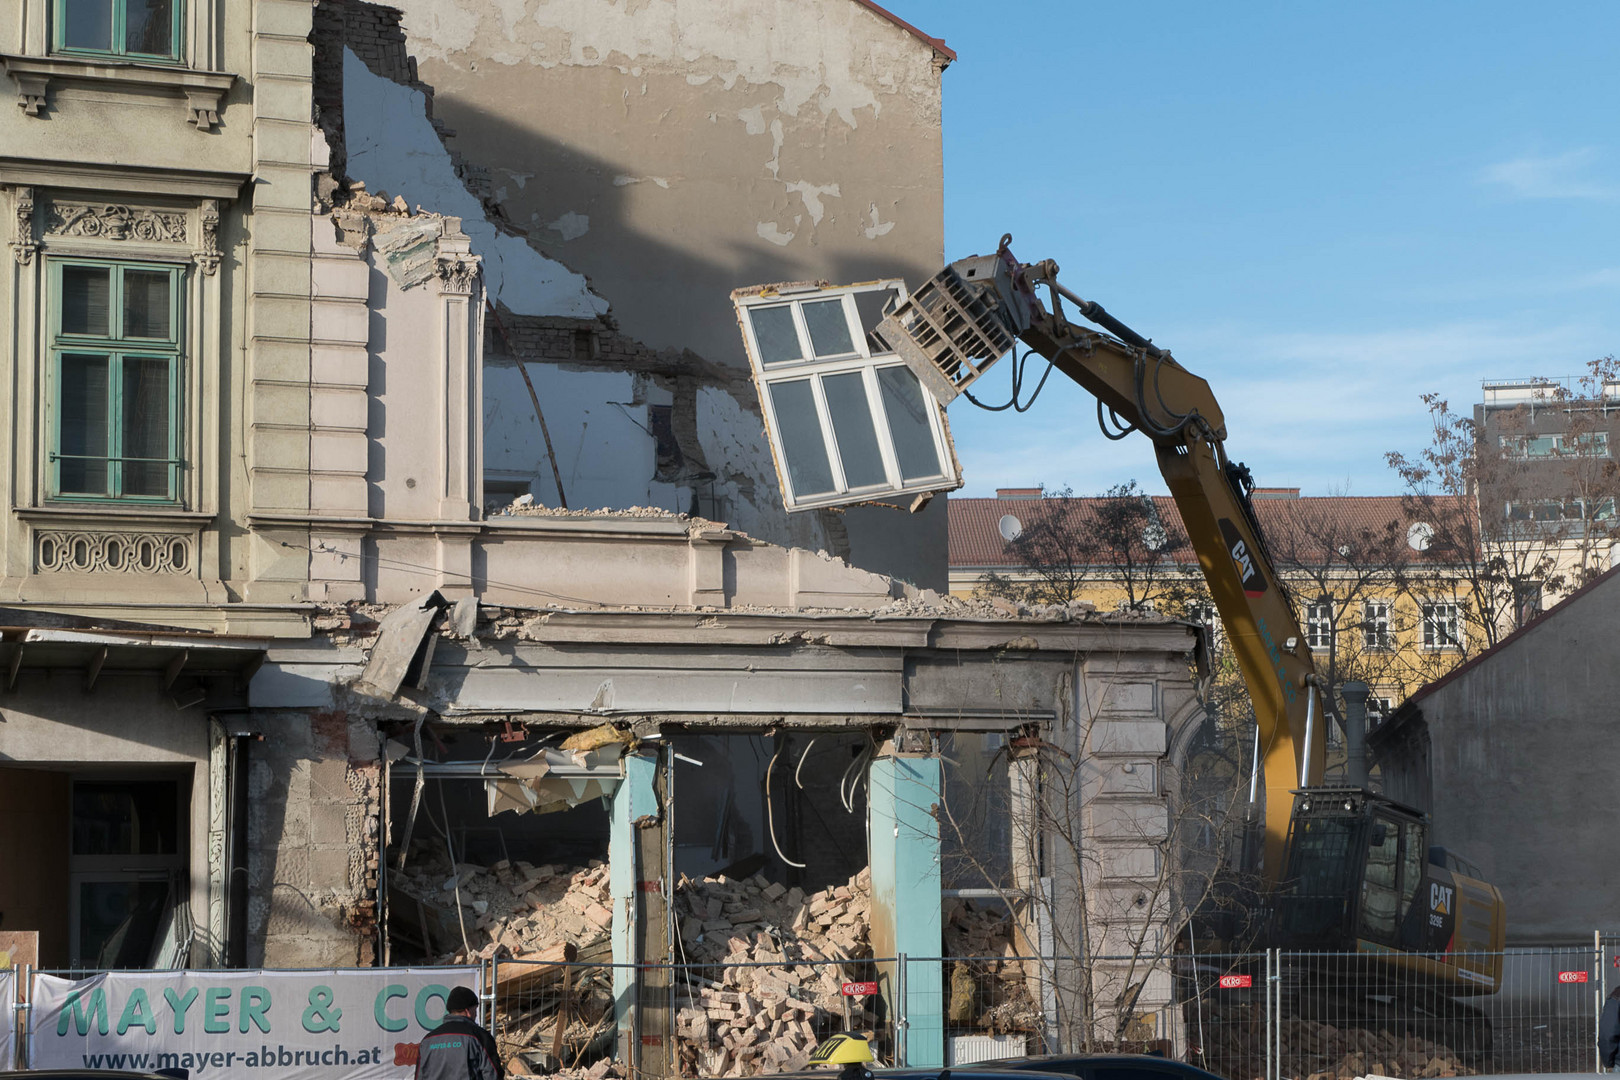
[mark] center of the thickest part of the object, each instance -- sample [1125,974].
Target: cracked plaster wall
[644,158]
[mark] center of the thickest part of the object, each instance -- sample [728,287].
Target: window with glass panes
[1440,627]
[1375,624]
[140,29]
[115,358]
[1319,624]
[846,421]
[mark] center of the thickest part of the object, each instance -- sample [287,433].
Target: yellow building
[1376,597]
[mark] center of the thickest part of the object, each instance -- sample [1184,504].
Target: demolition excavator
[1343,869]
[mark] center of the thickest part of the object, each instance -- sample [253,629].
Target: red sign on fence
[859,989]
[1236,982]
[1572,976]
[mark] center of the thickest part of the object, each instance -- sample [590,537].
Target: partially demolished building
[319,319]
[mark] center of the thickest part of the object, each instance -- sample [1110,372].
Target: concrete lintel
[1035,636]
[728,628]
[592,525]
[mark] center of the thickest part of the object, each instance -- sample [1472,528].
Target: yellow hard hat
[842,1050]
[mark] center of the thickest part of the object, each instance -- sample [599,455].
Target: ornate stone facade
[115,221]
[76,551]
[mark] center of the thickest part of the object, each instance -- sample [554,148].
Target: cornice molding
[127,179]
[203,91]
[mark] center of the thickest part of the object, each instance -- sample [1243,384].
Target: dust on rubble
[1319,1051]
[760,975]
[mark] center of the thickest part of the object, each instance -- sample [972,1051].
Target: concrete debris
[764,964]
[525,506]
[734,1019]
[528,908]
[989,985]
[1318,1051]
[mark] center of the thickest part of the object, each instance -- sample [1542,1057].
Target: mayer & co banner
[300,1025]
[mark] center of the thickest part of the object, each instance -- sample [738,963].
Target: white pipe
[1310,734]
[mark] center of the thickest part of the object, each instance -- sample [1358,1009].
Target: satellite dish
[1010,528]
[1419,535]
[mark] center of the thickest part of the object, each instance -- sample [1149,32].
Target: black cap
[461,999]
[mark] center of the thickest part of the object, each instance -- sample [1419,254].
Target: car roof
[1062,1063]
[913,1072]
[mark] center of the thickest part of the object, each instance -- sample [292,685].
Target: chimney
[1274,493]
[1018,493]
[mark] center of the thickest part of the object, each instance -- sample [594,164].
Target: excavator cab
[1362,877]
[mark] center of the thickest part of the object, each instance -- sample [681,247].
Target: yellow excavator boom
[965,317]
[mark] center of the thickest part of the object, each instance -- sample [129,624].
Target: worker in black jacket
[1609,1032]
[459,1049]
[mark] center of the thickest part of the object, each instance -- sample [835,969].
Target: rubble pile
[511,909]
[989,986]
[768,963]
[763,964]
[1318,1051]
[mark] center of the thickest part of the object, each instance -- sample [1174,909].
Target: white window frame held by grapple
[856,449]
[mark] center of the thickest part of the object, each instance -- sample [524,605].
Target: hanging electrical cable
[800,769]
[848,800]
[770,816]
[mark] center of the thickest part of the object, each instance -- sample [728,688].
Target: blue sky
[1324,209]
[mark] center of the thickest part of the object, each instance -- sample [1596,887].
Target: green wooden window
[115,370]
[138,29]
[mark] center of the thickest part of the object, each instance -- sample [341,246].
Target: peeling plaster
[811,194]
[878,227]
[850,56]
[571,226]
[393,147]
[753,119]
[777,138]
[769,230]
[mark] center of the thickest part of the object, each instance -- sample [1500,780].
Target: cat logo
[1254,582]
[1440,898]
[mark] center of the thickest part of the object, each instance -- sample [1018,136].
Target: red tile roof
[938,44]
[1291,526]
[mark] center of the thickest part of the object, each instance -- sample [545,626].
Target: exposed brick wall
[373,33]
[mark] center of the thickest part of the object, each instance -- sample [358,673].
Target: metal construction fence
[1254,1016]
[1269,1015]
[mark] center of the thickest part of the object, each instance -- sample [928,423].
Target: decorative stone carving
[31,89]
[59,551]
[202,107]
[456,272]
[23,242]
[113,221]
[208,257]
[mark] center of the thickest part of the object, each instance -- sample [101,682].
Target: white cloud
[1314,410]
[1559,176]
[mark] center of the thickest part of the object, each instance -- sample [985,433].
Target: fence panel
[1341,1015]
[1250,1016]
[754,1018]
[993,1006]
[553,1016]
[1224,1004]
